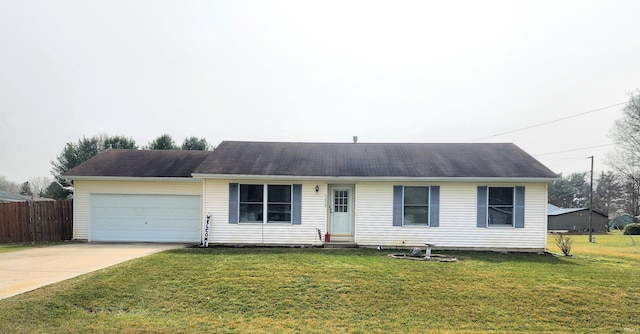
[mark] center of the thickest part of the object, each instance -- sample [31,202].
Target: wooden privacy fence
[36,221]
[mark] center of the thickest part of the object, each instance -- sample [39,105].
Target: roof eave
[129,178]
[368,178]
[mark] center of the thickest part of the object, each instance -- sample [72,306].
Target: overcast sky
[386,71]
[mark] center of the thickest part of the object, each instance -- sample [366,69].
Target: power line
[568,162]
[572,150]
[572,159]
[553,121]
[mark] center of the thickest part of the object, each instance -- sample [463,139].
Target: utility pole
[591,203]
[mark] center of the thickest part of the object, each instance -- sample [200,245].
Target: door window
[341,201]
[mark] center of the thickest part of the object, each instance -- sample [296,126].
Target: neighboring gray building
[575,219]
[621,221]
[6,197]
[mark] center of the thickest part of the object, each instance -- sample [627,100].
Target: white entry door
[341,212]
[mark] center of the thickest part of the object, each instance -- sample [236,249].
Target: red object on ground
[327,237]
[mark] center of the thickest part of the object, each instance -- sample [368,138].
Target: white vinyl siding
[457,229]
[373,214]
[374,219]
[83,190]
[216,194]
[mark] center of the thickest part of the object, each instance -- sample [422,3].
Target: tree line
[73,154]
[617,190]
[573,191]
[614,191]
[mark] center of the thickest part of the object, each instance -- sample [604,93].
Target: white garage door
[146,218]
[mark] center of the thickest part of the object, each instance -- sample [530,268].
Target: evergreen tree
[118,142]
[25,189]
[193,143]
[164,142]
[56,191]
[570,191]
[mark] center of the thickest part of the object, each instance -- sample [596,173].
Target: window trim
[519,207]
[265,204]
[428,205]
[397,216]
[262,203]
[513,208]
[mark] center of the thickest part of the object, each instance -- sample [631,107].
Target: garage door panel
[147,218]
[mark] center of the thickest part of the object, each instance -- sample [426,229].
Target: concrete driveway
[30,269]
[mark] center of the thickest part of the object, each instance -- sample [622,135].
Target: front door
[341,213]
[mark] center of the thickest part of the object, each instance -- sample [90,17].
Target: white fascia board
[125,178]
[335,179]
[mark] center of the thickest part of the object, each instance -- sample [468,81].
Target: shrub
[564,244]
[632,229]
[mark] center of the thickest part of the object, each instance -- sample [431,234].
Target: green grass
[613,244]
[260,290]
[12,247]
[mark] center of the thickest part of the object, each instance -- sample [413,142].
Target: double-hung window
[416,206]
[278,204]
[251,203]
[501,206]
[264,203]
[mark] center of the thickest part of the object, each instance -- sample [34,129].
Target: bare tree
[625,159]
[632,195]
[8,186]
[39,185]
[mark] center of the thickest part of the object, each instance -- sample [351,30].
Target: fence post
[29,221]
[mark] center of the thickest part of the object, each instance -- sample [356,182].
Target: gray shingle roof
[321,159]
[373,160]
[141,163]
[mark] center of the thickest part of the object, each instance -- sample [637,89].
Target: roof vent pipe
[355,139]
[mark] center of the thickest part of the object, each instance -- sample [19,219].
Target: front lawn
[261,290]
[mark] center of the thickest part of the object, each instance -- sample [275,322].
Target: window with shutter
[501,206]
[416,206]
[265,203]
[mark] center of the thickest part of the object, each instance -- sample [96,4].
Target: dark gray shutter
[234,207]
[518,209]
[296,204]
[397,205]
[482,206]
[434,206]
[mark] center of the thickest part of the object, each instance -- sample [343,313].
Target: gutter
[337,179]
[129,178]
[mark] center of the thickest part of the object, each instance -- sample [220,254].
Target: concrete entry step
[340,244]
